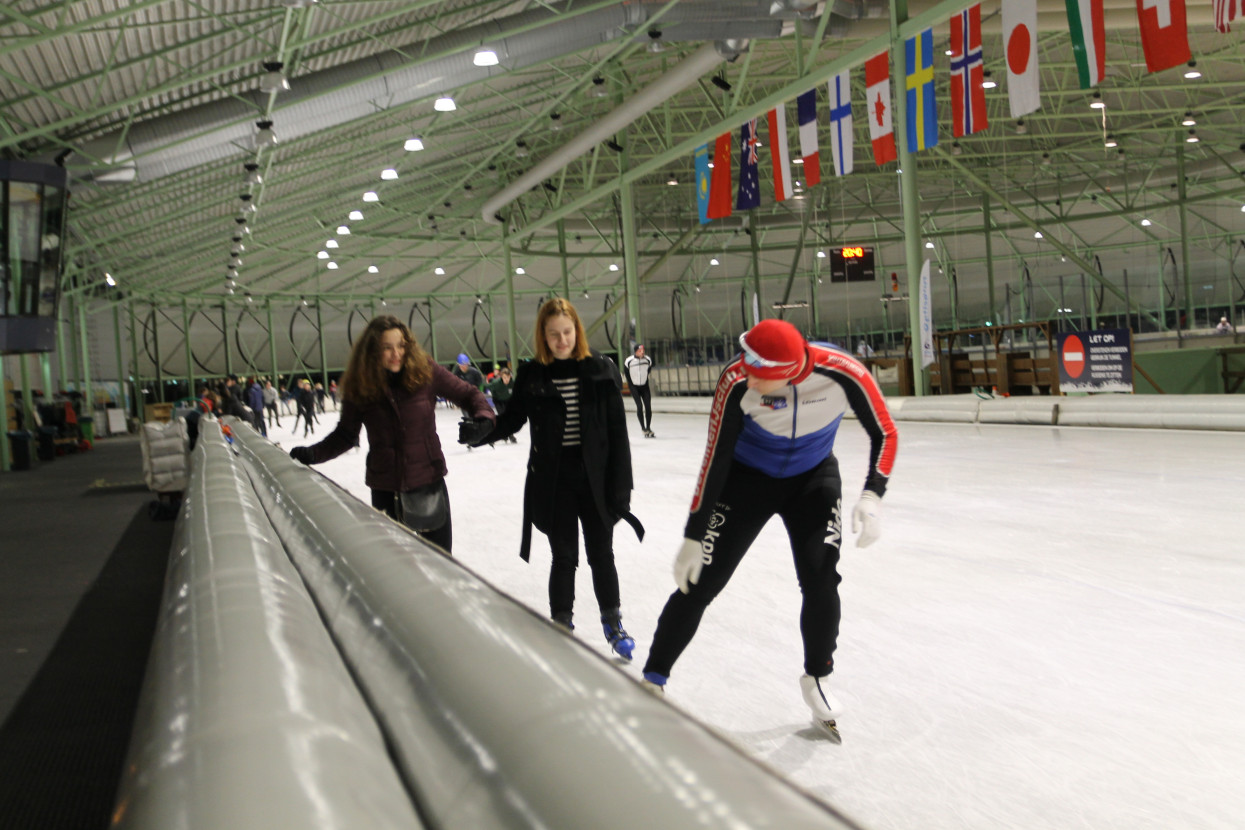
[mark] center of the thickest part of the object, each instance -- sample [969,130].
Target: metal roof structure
[155,107]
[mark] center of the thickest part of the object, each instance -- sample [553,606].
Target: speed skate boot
[825,707]
[654,682]
[562,620]
[620,641]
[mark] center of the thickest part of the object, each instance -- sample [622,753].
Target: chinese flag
[720,183]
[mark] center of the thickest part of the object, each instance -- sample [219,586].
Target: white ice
[1050,633]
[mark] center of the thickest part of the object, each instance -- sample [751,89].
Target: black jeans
[575,507]
[643,405]
[386,501]
[810,507]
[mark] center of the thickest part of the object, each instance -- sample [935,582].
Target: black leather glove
[301,455]
[473,431]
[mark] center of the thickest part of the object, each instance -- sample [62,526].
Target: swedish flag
[922,108]
[701,155]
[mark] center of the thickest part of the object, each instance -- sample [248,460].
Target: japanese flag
[1020,39]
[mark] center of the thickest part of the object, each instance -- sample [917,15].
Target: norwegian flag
[968,96]
[1226,11]
[878,105]
[806,106]
[778,152]
[749,195]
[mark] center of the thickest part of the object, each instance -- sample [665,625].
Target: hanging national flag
[778,153]
[806,109]
[840,87]
[926,317]
[720,182]
[968,96]
[701,157]
[1089,40]
[1164,33]
[878,107]
[1020,38]
[749,195]
[922,108]
[1226,11]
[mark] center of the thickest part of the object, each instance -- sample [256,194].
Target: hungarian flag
[1089,40]
[840,87]
[968,96]
[720,183]
[919,80]
[806,112]
[778,153]
[749,195]
[1226,11]
[878,107]
[1020,39]
[1164,34]
[703,172]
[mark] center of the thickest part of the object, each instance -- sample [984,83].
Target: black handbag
[425,508]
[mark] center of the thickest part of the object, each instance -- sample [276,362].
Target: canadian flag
[778,152]
[878,103]
[1020,40]
[1164,34]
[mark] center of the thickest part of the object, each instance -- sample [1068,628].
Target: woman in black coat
[579,466]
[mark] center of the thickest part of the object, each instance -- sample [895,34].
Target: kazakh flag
[701,155]
[922,109]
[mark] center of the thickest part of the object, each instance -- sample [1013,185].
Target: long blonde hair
[365,378]
[559,307]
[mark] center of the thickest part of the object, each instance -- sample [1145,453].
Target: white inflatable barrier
[248,717]
[1042,410]
[960,409]
[1167,411]
[494,717]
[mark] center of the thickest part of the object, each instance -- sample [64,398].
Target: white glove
[867,519]
[687,564]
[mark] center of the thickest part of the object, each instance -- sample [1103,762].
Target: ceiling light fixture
[721,83]
[955,148]
[237,248]
[1096,102]
[370,196]
[1111,142]
[1192,72]
[273,79]
[355,216]
[672,181]
[413,144]
[265,137]
[332,243]
[444,104]
[372,269]
[520,270]
[1045,158]
[332,266]
[555,121]
[1037,234]
[988,82]
[714,261]
[1021,127]
[252,174]
[1145,223]
[247,205]
[613,266]
[108,279]
[439,271]
[520,149]
[1192,139]
[929,245]
[598,88]
[1188,120]
[654,41]
[343,230]
[389,174]
[234,262]
[322,255]
[485,57]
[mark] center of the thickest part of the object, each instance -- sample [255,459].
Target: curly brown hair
[365,379]
[556,307]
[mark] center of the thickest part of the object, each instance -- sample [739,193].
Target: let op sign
[1096,361]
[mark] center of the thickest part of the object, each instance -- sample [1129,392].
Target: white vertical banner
[927,319]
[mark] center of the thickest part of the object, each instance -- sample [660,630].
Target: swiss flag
[878,103]
[1164,34]
[720,182]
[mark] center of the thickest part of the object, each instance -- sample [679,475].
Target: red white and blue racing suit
[774,454]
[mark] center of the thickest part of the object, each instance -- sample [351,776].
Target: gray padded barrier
[1026,409]
[1161,411]
[248,717]
[495,717]
[960,409]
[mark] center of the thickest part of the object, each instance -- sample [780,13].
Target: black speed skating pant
[809,505]
[386,501]
[576,507]
[643,405]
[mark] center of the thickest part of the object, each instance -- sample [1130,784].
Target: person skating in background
[501,388]
[306,407]
[772,426]
[320,394]
[390,388]
[637,368]
[1224,327]
[464,371]
[270,403]
[255,400]
[333,392]
[579,465]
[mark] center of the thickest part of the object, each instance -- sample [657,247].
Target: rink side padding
[318,665]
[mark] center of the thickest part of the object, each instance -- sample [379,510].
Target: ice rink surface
[1050,633]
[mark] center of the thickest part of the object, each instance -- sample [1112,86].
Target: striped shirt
[569,387]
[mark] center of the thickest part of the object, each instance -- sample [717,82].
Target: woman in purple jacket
[390,388]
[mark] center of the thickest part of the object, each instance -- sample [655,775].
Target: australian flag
[749,194]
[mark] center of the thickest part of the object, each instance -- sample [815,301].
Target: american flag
[1226,11]
[749,195]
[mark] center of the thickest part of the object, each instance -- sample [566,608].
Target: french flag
[806,104]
